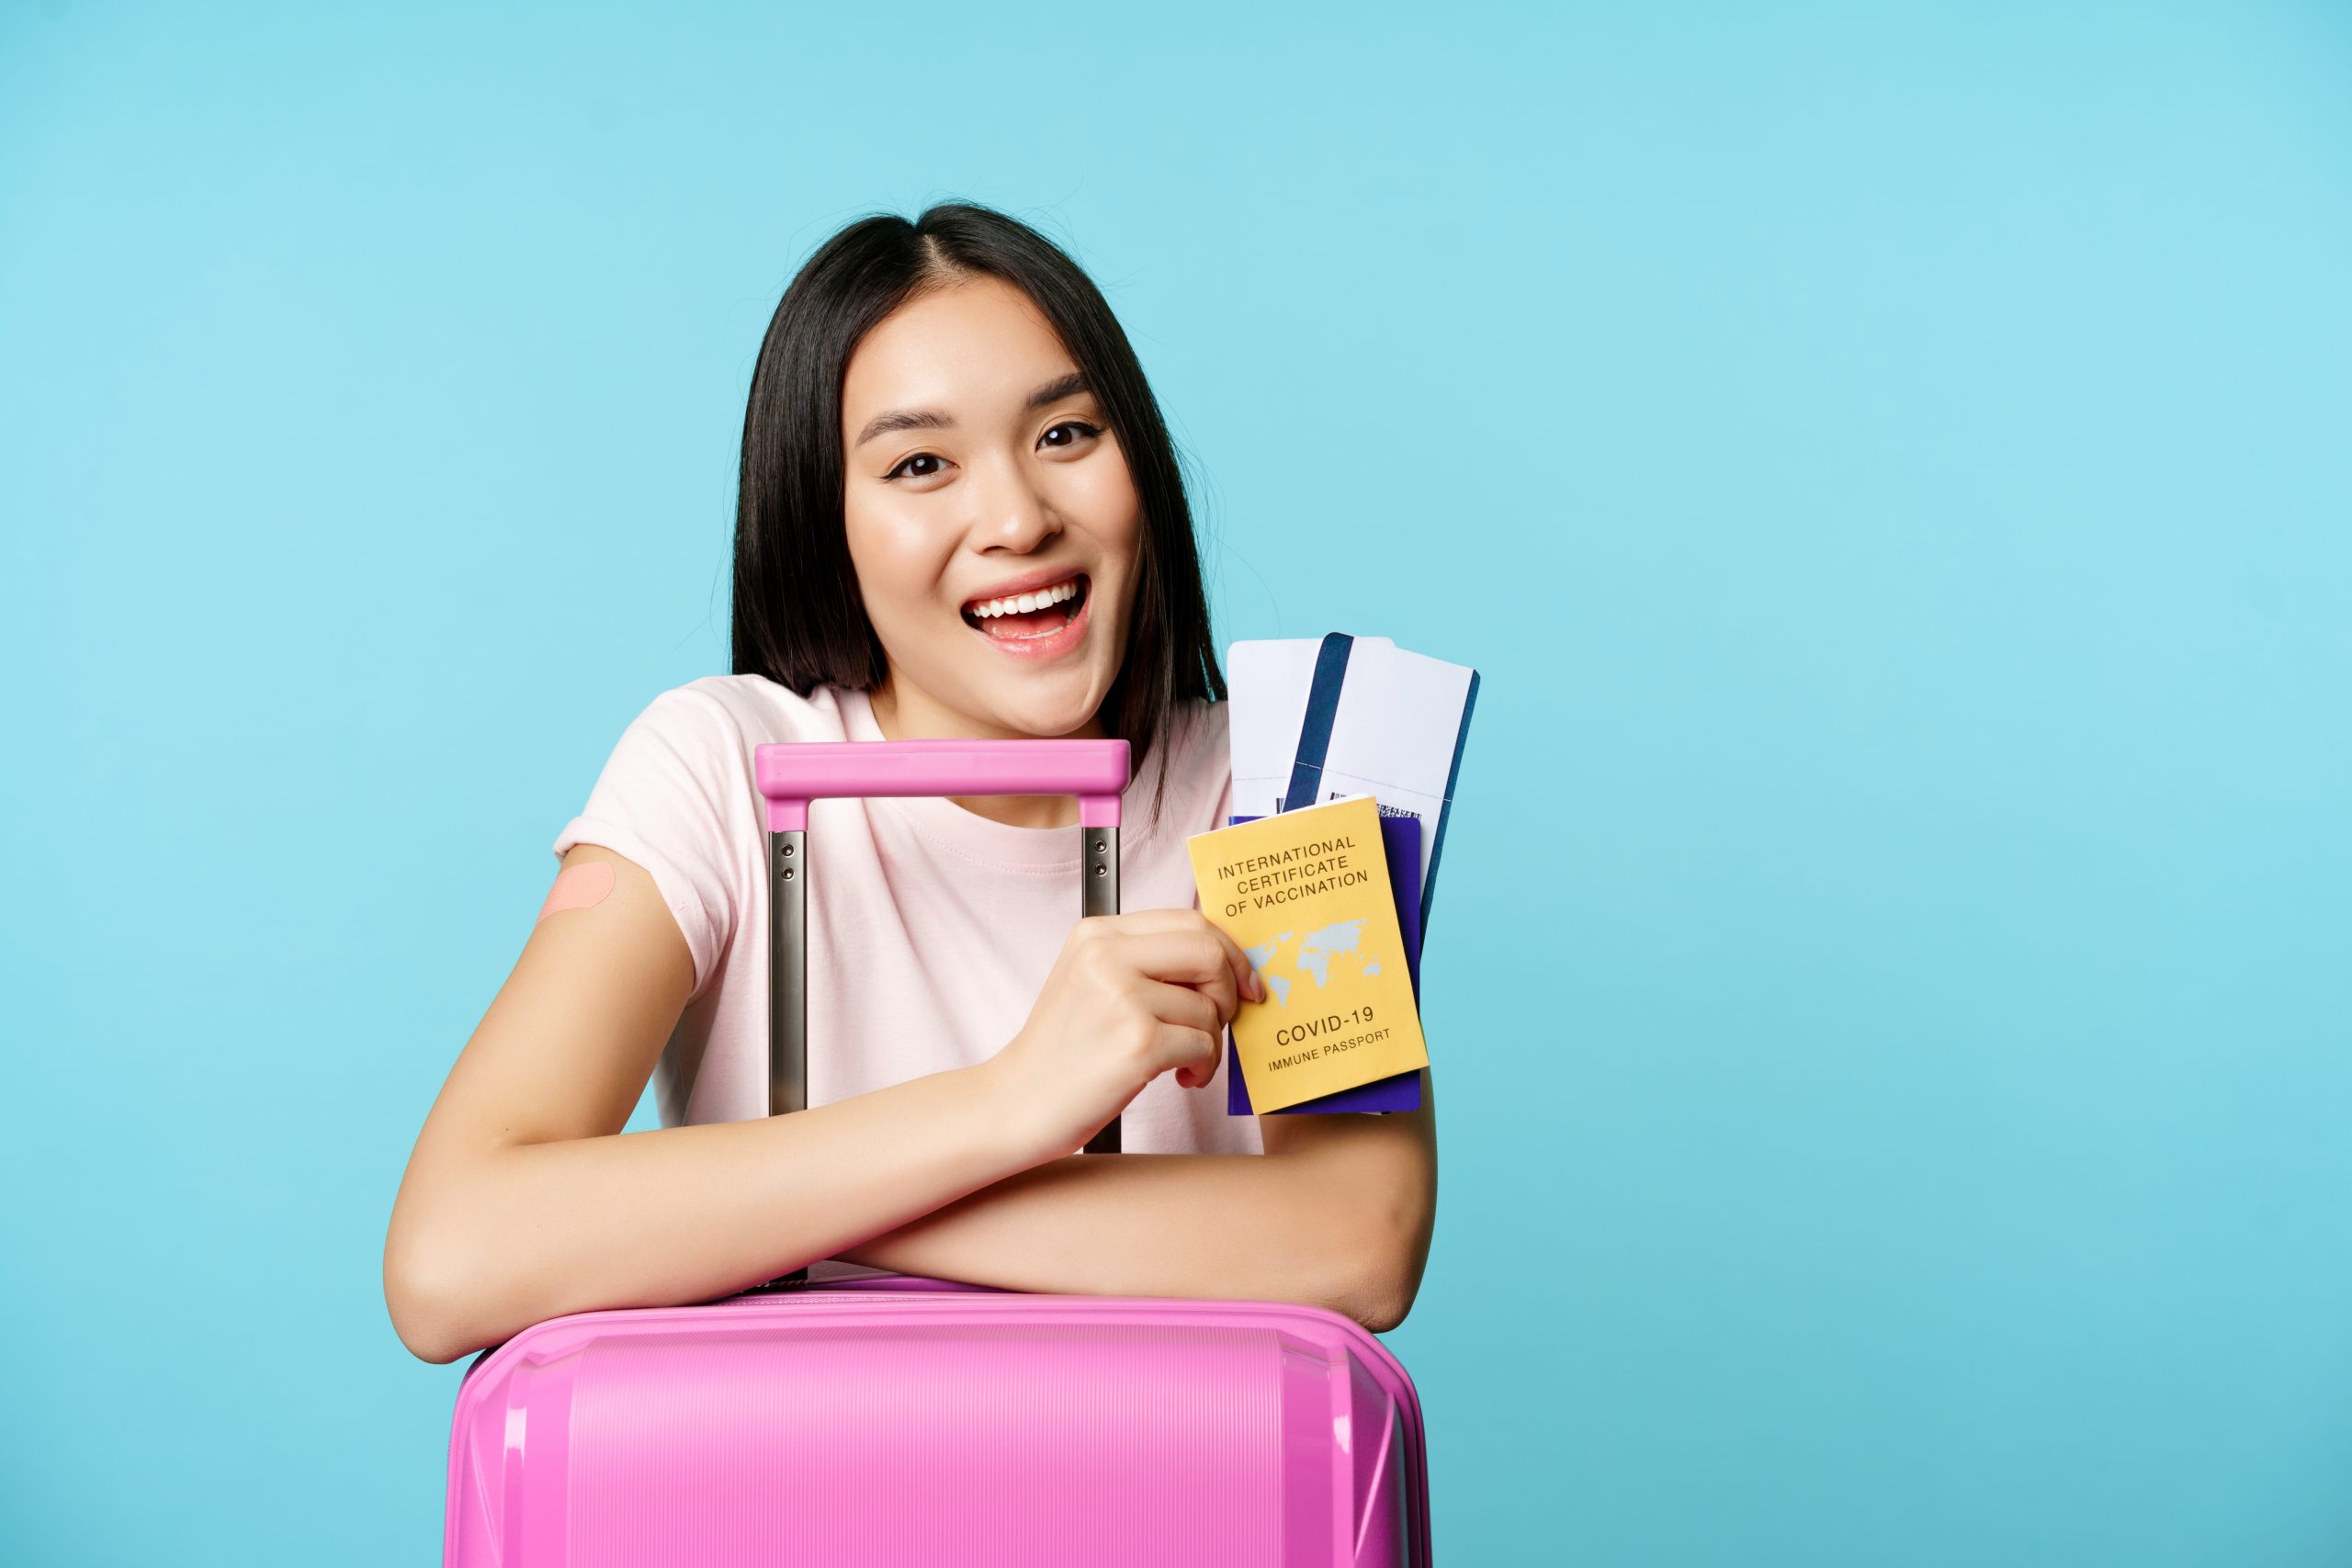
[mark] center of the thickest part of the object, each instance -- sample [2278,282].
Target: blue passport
[1400,840]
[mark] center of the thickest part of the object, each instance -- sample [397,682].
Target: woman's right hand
[1131,997]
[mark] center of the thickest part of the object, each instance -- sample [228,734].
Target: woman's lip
[1028,582]
[1053,644]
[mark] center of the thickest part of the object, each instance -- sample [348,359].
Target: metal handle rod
[1099,895]
[787,972]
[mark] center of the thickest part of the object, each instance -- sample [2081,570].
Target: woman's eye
[1084,430]
[906,469]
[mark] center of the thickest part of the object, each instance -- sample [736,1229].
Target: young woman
[960,516]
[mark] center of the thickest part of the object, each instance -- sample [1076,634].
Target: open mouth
[1019,616]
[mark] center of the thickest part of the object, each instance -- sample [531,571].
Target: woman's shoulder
[1198,735]
[1198,762]
[699,739]
[741,711]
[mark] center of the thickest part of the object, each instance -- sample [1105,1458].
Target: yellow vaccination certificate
[1306,894]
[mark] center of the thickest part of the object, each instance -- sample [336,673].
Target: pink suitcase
[889,1420]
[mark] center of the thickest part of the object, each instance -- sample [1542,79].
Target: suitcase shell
[884,1420]
[903,1422]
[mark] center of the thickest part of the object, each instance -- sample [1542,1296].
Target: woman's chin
[1052,708]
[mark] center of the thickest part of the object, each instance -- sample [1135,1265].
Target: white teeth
[1045,598]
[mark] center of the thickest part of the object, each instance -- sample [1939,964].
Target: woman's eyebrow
[1053,391]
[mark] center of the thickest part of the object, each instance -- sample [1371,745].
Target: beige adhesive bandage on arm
[580,887]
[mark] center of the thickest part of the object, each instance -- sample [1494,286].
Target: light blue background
[1890,980]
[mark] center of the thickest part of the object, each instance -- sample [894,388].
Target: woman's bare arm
[520,1202]
[1338,1212]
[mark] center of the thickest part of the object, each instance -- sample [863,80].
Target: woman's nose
[1012,514]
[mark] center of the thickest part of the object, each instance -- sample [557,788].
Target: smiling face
[991,517]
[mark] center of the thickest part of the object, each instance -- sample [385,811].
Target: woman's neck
[923,720]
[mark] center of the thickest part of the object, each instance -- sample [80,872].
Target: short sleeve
[675,798]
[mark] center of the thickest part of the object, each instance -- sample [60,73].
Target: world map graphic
[1281,962]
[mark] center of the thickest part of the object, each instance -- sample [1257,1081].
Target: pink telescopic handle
[792,774]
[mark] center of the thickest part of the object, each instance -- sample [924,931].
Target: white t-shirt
[931,929]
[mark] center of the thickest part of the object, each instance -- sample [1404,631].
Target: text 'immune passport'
[1306,894]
